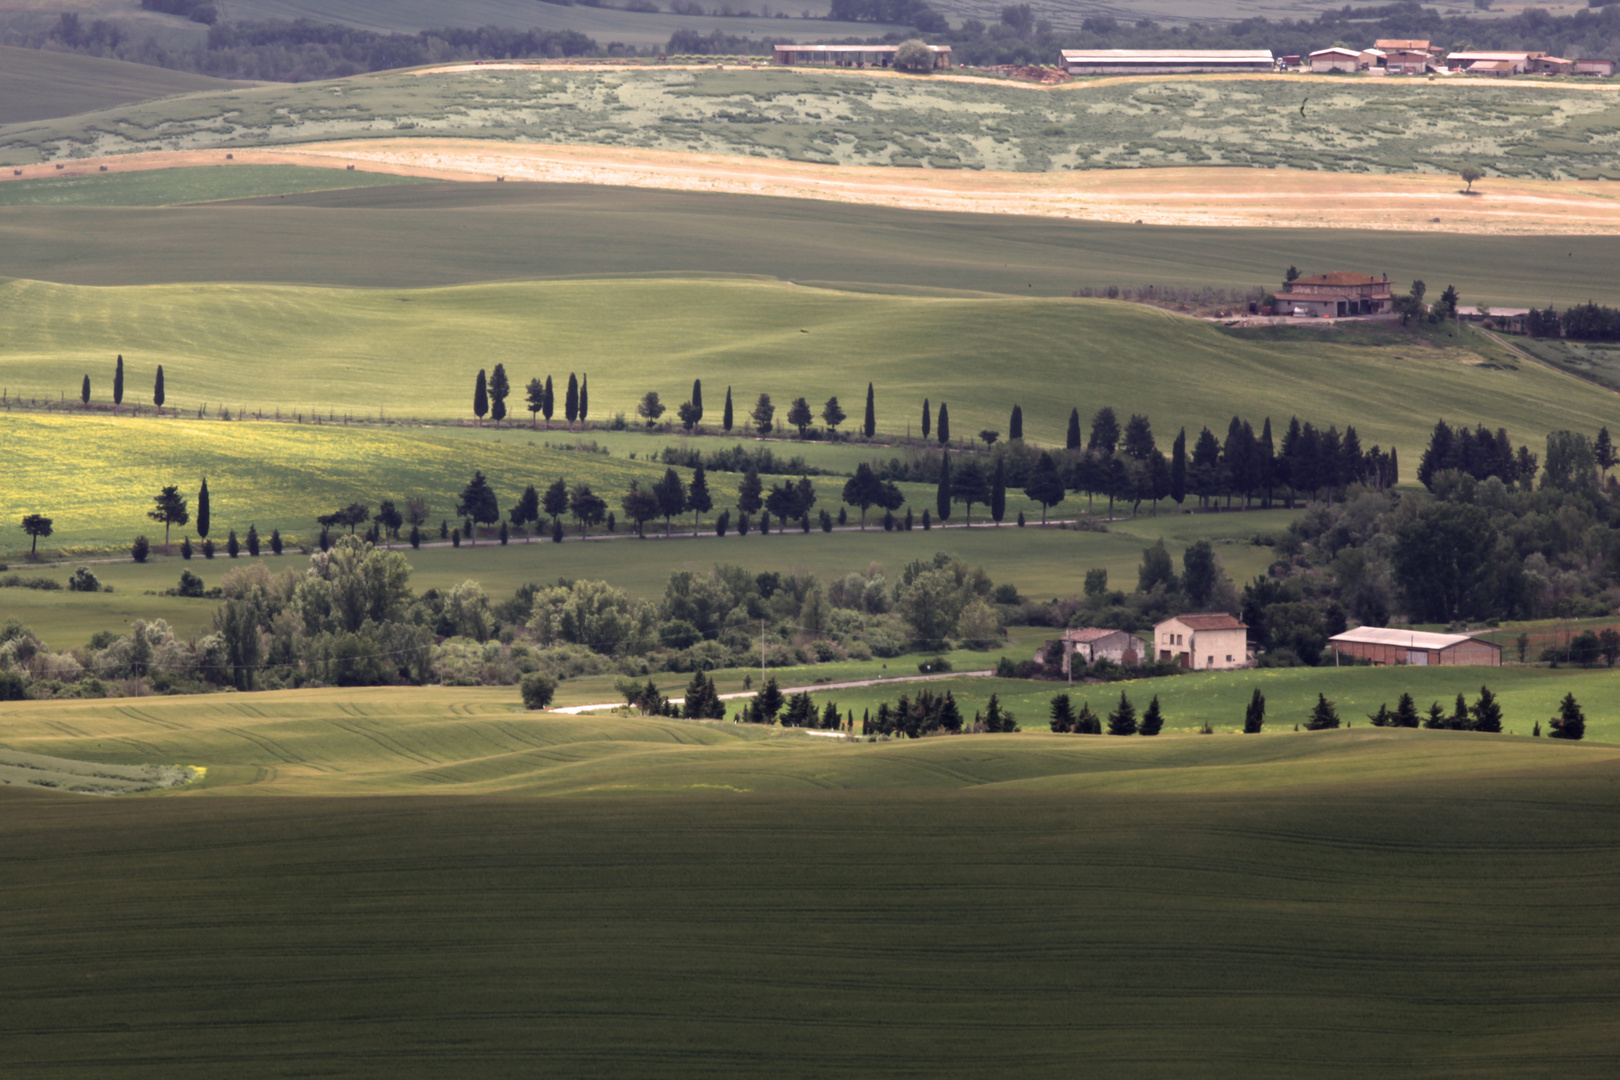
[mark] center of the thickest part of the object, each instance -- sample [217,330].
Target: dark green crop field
[1440,927]
[38,85]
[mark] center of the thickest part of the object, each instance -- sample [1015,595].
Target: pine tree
[1460,720]
[275,541]
[943,497]
[1487,711]
[480,396]
[869,425]
[1015,425]
[1383,717]
[1153,719]
[524,514]
[1104,432]
[1178,467]
[477,503]
[84,391]
[169,508]
[157,389]
[253,541]
[698,499]
[1406,714]
[233,548]
[750,492]
[1073,440]
[727,417]
[1435,720]
[1323,715]
[555,503]
[944,425]
[1570,723]
[998,491]
[118,383]
[499,389]
[1122,721]
[1062,713]
[997,719]
[1254,717]
[671,496]
[1603,450]
[203,517]
[571,400]
[769,701]
[584,399]
[1087,722]
[927,420]
[697,398]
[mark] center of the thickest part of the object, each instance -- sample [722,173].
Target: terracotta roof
[1339,277]
[1413,44]
[1090,633]
[1219,620]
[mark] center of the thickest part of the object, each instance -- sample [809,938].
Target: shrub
[83,581]
[538,689]
[208,549]
[185,548]
[13,687]
[937,664]
[140,549]
[190,584]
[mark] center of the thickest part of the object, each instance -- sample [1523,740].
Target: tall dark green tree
[1062,713]
[169,509]
[698,499]
[998,491]
[1046,484]
[203,511]
[671,494]
[1152,719]
[1406,712]
[833,414]
[1072,442]
[499,389]
[727,418]
[571,399]
[869,425]
[1323,715]
[1138,444]
[36,526]
[477,502]
[697,398]
[549,409]
[1200,573]
[640,506]
[157,389]
[944,425]
[1015,424]
[1265,462]
[481,396]
[750,492]
[534,395]
[84,391]
[556,501]
[1570,723]
[524,513]
[944,494]
[800,416]
[1487,711]
[118,383]
[1122,720]
[1104,432]
[927,420]
[863,489]
[587,506]
[584,399]
[1254,717]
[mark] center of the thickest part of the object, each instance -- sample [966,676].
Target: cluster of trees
[490,394]
[1480,454]
[1583,322]
[159,394]
[1122,719]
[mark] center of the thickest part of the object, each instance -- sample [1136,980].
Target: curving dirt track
[1274,198]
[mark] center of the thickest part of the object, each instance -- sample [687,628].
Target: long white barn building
[1164,61]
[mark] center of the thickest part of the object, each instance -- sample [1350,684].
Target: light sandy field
[1279,198]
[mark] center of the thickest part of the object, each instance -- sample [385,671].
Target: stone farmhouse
[1205,642]
[1093,643]
[1336,295]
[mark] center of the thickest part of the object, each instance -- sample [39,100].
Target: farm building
[1163,61]
[1510,319]
[1416,648]
[1406,56]
[853,55]
[1093,643]
[1375,61]
[1604,68]
[1489,63]
[1328,60]
[1336,295]
[1209,642]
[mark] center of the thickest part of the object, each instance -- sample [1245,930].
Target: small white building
[1324,61]
[1205,642]
[1163,61]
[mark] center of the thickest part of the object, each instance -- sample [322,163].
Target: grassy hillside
[415,354]
[37,85]
[1361,126]
[1435,927]
[182,186]
[457,233]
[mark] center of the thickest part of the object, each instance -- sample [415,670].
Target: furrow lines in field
[266,744]
[384,742]
[146,717]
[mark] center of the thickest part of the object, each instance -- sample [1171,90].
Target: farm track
[1225,197]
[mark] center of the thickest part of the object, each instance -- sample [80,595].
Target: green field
[445,234]
[415,354]
[1356,126]
[178,187]
[38,85]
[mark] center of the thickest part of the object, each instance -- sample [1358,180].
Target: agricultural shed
[1206,642]
[1163,61]
[1335,59]
[1486,62]
[853,55]
[1406,56]
[1604,68]
[1416,648]
[1094,643]
[1336,295]
[1510,319]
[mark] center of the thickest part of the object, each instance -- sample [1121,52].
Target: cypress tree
[697,398]
[942,500]
[726,417]
[84,391]
[584,398]
[1015,426]
[233,547]
[499,388]
[275,540]
[869,426]
[944,426]
[253,540]
[480,396]
[998,491]
[698,499]
[157,389]
[571,399]
[1178,467]
[1266,461]
[927,420]
[1255,716]
[549,405]
[202,510]
[1073,441]
[118,383]
[1152,720]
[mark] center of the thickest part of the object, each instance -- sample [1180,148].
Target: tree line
[1583,322]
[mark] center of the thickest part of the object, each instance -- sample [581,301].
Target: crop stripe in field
[384,742]
[136,714]
[67,729]
[268,745]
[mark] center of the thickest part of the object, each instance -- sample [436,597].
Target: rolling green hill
[37,85]
[1359,126]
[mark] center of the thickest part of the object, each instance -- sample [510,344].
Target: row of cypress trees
[159,395]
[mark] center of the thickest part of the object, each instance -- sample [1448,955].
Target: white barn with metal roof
[1418,648]
[1163,61]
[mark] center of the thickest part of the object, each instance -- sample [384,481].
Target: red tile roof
[1217,621]
[1339,277]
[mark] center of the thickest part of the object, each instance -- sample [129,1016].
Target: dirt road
[576,710]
